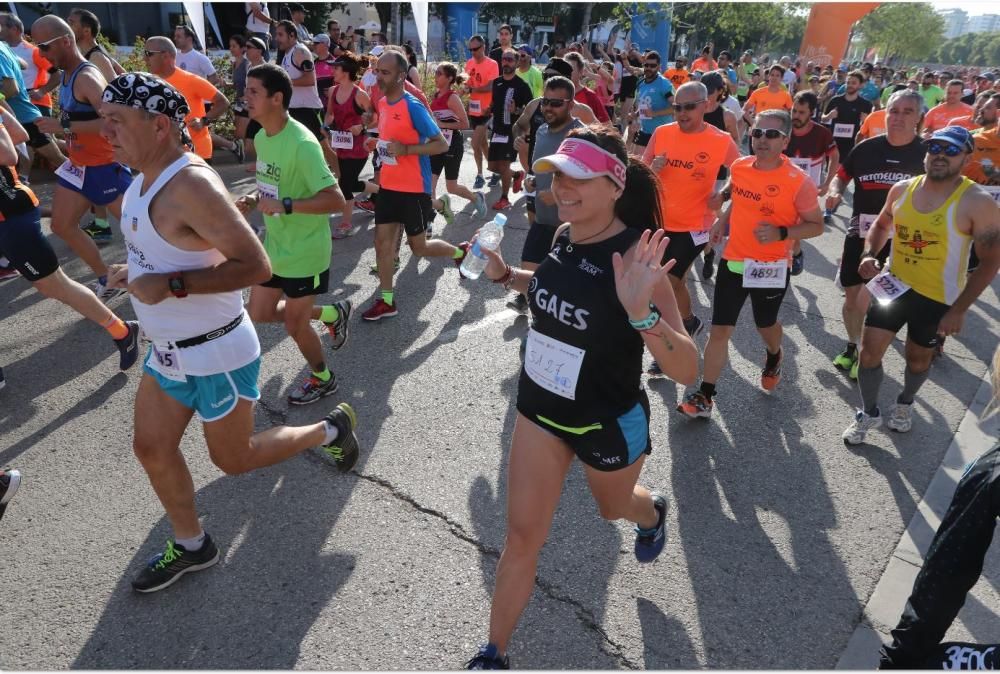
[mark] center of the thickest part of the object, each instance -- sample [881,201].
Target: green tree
[777,26]
[907,30]
[980,49]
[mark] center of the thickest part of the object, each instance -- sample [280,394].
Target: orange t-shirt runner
[965,121]
[874,124]
[677,76]
[688,179]
[196,90]
[939,116]
[764,99]
[481,74]
[775,197]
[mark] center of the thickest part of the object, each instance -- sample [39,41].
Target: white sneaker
[900,418]
[106,294]
[855,433]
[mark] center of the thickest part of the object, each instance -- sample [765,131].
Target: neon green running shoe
[845,361]
[344,449]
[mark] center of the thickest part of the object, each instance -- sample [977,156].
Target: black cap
[560,65]
[713,82]
[296,7]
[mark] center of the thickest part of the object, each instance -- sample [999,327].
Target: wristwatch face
[177,286]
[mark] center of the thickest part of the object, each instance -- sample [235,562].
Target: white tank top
[176,319]
[302,97]
[255,25]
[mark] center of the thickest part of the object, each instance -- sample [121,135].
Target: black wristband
[783,233]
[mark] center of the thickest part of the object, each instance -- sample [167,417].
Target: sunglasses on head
[554,102]
[687,107]
[770,134]
[947,149]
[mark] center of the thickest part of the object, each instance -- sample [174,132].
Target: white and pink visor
[583,160]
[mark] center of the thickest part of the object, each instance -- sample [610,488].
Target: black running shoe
[338,329]
[10,480]
[518,303]
[694,326]
[344,449]
[164,569]
[312,389]
[128,346]
[488,658]
[708,268]
[98,234]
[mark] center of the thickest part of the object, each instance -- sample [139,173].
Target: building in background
[958,22]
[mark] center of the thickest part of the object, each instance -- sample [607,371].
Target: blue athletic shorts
[211,396]
[102,184]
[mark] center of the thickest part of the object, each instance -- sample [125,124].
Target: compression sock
[116,327]
[328,313]
[772,359]
[707,390]
[387,297]
[323,375]
[912,381]
[869,381]
[191,544]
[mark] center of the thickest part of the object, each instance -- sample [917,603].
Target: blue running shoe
[649,542]
[479,184]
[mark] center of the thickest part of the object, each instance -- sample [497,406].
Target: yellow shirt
[929,254]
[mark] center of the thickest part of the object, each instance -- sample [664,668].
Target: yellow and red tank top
[929,254]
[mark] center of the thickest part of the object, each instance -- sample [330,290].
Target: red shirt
[590,97]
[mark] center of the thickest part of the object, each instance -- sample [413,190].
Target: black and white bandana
[147,92]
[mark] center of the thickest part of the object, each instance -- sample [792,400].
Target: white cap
[377,50]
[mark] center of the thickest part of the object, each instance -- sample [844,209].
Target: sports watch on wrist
[176,283]
[287,203]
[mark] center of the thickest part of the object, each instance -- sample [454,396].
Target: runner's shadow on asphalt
[666,644]
[253,609]
[754,516]
[563,571]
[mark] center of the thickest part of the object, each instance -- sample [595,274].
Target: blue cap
[527,50]
[956,135]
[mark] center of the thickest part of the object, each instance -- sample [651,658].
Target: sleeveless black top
[534,122]
[717,118]
[574,307]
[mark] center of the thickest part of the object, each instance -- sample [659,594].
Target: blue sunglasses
[947,149]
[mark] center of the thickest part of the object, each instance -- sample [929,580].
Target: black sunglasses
[650,65]
[44,46]
[947,149]
[554,102]
[770,134]
[687,107]
[476,48]
[150,54]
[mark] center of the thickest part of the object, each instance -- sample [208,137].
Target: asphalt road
[777,531]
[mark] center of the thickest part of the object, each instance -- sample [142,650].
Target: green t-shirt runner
[533,78]
[291,164]
[744,70]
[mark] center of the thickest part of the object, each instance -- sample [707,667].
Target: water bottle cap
[500,219]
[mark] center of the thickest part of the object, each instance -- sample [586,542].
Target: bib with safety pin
[843,131]
[72,173]
[553,365]
[764,274]
[993,191]
[448,135]
[386,157]
[885,287]
[267,191]
[167,361]
[341,140]
[475,107]
[500,140]
[698,238]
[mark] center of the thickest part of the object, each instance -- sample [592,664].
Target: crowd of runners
[633,168]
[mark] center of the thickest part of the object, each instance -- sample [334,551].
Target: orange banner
[829,26]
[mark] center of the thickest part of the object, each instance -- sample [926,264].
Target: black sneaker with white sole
[128,346]
[10,481]
[166,568]
[518,303]
[338,328]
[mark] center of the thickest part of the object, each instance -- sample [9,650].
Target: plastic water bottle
[490,236]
